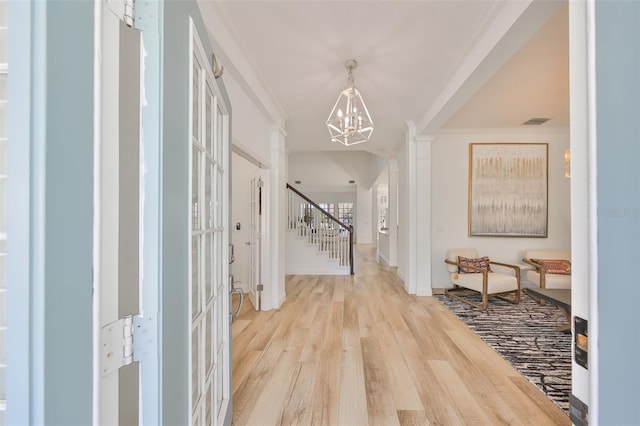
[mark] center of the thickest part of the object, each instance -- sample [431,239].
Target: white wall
[332,170]
[363,214]
[318,172]
[450,168]
[250,127]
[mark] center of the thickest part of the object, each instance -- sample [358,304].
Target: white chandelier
[349,122]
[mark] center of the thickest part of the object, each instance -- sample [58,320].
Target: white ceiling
[409,54]
[533,83]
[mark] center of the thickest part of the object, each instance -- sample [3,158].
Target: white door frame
[117,210]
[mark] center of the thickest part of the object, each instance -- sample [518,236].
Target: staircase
[317,242]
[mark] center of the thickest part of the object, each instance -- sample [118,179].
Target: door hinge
[127,340]
[125,10]
[260,287]
[129,12]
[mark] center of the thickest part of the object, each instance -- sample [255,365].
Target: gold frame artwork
[508,189]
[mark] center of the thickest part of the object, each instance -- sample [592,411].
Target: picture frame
[508,189]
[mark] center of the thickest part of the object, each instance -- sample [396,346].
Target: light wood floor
[361,351]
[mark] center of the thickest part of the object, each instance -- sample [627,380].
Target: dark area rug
[524,335]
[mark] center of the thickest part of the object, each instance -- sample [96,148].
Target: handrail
[336,248]
[304,197]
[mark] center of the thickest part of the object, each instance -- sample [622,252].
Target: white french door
[209,342]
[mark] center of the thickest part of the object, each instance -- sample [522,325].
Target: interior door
[209,250]
[255,242]
[117,216]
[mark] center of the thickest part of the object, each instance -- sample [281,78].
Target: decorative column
[392,213]
[423,215]
[410,208]
[418,205]
[274,292]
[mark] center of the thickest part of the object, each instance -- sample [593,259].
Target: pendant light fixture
[349,122]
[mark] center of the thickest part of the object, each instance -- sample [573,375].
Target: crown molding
[231,51]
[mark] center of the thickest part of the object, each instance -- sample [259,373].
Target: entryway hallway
[358,350]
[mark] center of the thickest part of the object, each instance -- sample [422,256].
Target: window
[345,213]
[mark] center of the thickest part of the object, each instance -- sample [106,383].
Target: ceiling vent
[535,121]
[352,181]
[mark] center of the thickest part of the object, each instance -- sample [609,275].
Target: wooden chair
[488,284]
[541,276]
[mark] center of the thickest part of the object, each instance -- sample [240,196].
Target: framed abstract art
[508,189]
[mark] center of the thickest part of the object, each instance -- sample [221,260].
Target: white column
[274,292]
[418,239]
[363,212]
[392,213]
[423,215]
[375,214]
[412,217]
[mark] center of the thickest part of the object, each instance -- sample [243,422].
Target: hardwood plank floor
[358,350]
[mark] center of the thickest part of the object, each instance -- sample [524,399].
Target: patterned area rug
[524,335]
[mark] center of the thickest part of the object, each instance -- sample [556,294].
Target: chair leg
[451,293]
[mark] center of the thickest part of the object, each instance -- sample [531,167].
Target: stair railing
[320,227]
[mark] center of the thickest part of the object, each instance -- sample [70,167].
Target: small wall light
[567,163]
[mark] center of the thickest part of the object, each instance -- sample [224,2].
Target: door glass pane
[219,134]
[208,262]
[219,346]
[209,121]
[218,270]
[3,87]
[219,218]
[4,45]
[195,99]
[220,321]
[219,388]
[208,195]
[3,158]
[195,189]
[4,17]
[208,356]
[3,217]
[209,405]
[195,366]
[215,272]
[3,122]
[195,276]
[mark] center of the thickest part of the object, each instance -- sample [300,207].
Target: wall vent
[297,182]
[352,181]
[535,121]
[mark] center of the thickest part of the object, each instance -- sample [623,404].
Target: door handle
[232,290]
[235,314]
[232,256]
